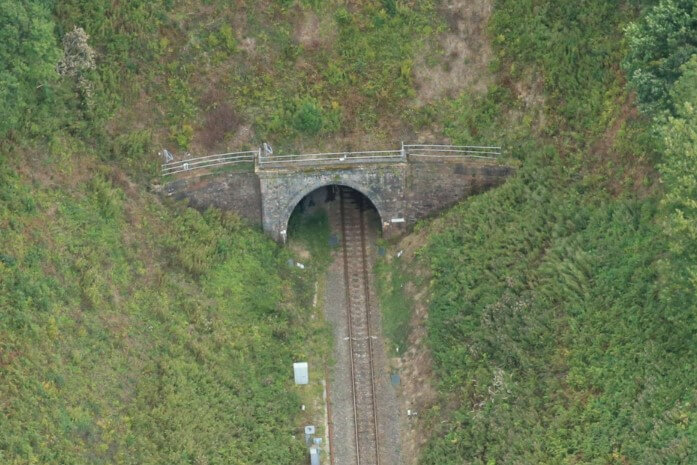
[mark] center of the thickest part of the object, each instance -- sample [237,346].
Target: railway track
[359,327]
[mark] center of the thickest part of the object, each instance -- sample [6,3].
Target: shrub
[659,43]
[679,173]
[308,118]
[133,145]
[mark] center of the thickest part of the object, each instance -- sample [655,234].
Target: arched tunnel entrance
[317,216]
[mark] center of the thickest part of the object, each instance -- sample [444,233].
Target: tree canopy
[664,39]
[28,57]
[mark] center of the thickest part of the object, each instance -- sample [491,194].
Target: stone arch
[295,200]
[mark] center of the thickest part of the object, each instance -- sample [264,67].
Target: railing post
[404,152]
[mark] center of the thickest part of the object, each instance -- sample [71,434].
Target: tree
[679,170]
[664,39]
[28,56]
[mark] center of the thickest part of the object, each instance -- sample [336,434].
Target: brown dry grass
[465,53]
[415,366]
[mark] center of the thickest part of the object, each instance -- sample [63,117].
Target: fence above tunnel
[209,161]
[331,158]
[452,151]
[262,160]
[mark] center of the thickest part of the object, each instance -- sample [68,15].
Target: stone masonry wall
[382,184]
[409,191]
[238,192]
[435,185]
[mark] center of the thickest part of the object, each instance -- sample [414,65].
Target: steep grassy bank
[557,328]
[563,304]
[563,314]
[134,332]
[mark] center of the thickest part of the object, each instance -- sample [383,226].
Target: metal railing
[452,151]
[269,161]
[317,159]
[210,161]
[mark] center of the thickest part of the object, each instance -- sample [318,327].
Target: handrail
[460,150]
[333,157]
[210,161]
[454,146]
[391,152]
[247,152]
[365,156]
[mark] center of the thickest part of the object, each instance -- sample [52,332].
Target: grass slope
[550,327]
[133,332]
[561,320]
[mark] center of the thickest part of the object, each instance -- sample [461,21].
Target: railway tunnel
[357,203]
[322,201]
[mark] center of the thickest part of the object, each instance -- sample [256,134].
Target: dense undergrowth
[563,309]
[563,320]
[215,75]
[556,326]
[132,332]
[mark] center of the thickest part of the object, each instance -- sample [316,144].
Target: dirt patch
[465,52]
[248,45]
[221,119]
[311,32]
[307,32]
[415,366]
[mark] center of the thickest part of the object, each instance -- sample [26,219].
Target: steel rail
[361,274]
[366,287]
[350,325]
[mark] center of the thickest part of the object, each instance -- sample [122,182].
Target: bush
[308,118]
[133,145]
[134,332]
[658,44]
[547,323]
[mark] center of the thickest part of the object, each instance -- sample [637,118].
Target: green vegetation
[563,304]
[27,61]
[395,306]
[563,319]
[571,47]
[308,118]
[560,329]
[132,332]
[137,332]
[680,176]
[311,232]
[664,39]
[197,73]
